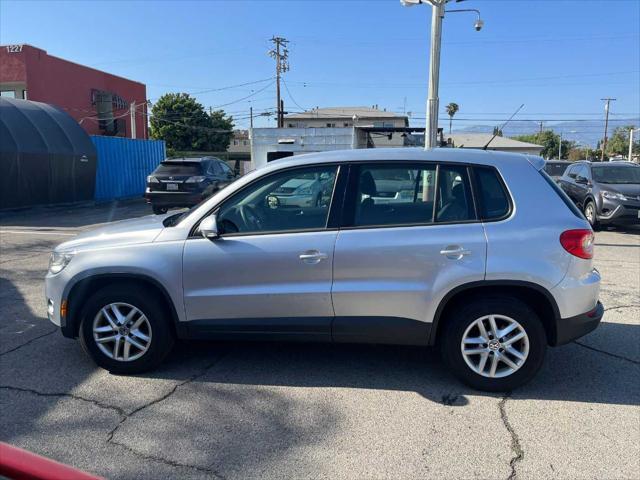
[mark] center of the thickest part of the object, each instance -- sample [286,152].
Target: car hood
[123,232]
[632,189]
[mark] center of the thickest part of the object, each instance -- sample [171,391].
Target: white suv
[477,252]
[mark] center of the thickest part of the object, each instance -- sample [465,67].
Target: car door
[582,184]
[270,271]
[399,251]
[568,182]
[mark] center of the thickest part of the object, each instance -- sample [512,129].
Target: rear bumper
[174,199]
[568,329]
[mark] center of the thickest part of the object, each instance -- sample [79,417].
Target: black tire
[147,302]
[464,315]
[590,206]
[159,210]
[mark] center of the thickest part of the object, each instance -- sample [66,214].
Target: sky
[558,58]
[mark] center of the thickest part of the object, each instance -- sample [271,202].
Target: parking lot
[244,410]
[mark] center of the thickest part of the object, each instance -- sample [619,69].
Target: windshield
[178,168]
[555,169]
[616,174]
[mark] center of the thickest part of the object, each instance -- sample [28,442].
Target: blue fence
[123,165]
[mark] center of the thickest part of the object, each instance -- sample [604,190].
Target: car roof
[619,163]
[557,161]
[408,154]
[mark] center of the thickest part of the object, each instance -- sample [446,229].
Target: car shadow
[75,216]
[573,372]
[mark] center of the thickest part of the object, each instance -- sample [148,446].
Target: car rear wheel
[159,210]
[125,330]
[494,343]
[590,213]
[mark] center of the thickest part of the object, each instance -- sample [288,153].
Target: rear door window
[492,195]
[394,194]
[454,201]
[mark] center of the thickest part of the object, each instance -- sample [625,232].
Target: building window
[24,94]
[245,143]
[8,94]
[347,124]
[235,142]
[291,125]
[331,125]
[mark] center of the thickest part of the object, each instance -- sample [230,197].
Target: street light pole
[433,101]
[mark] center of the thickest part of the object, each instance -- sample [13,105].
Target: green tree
[618,144]
[183,123]
[452,109]
[550,142]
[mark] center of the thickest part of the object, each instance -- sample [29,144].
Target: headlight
[613,195]
[59,260]
[152,179]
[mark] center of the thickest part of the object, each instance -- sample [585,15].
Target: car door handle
[455,252]
[312,256]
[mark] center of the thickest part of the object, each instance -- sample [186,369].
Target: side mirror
[209,227]
[581,180]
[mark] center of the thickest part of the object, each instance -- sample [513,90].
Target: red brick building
[99,101]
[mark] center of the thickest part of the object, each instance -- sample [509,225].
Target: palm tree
[452,109]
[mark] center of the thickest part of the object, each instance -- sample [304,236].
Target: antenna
[503,125]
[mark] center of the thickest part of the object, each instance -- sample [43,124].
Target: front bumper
[174,199]
[621,213]
[568,329]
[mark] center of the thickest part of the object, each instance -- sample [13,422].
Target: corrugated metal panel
[123,165]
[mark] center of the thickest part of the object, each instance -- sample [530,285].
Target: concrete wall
[299,141]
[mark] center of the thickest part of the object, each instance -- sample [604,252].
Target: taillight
[578,242]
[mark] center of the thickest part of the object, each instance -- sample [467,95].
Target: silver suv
[477,252]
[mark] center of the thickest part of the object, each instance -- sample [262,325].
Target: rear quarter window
[493,198]
[563,196]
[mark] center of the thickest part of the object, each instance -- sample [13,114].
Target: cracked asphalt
[242,410]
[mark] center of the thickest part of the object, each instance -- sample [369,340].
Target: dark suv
[607,193]
[184,182]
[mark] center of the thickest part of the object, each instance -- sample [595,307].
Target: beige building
[240,142]
[349,117]
[502,144]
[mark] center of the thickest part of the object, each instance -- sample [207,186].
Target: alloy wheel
[122,332]
[495,346]
[589,212]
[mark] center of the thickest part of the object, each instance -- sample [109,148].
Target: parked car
[556,168]
[184,182]
[487,259]
[608,193]
[303,191]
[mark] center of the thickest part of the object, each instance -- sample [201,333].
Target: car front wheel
[494,343]
[159,210]
[590,213]
[125,330]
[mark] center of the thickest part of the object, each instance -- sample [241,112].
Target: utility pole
[606,125]
[281,55]
[251,118]
[541,127]
[560,147]
[132,113]
[630,144]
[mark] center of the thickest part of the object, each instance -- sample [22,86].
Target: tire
[156,329]
[505,309]
[590,214]
[159,210]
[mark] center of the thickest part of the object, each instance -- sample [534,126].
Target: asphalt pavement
[246,410]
